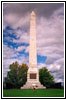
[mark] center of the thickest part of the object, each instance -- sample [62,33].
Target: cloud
[23,37]
[18,14]
[57,69]
[11,55]
[40,65]
[14,21]
[8,52]
[20,48]
[27,49]
[7,38]
[50,36]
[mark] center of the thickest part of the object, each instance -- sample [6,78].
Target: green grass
[33,93]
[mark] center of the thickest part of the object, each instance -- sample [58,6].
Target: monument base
[33,79]
[29,85]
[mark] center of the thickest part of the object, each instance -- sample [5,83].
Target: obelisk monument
[33,73]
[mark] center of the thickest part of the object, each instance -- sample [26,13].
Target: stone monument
[33,74]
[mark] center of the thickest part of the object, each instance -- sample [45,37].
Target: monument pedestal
[29,85]
[33,80]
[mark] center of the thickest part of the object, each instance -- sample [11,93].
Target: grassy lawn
[33,93]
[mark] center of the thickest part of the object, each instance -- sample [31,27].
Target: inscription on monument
[32,76]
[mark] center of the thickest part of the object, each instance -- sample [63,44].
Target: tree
[17,75]
[45,77]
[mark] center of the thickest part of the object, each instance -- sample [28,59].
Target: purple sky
[50,35]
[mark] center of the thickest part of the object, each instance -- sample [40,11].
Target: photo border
[64,55]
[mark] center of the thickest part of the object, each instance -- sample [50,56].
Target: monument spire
[32,47]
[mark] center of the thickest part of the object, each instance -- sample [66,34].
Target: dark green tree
[45,77]
[17,75]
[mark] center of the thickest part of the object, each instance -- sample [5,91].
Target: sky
[49,32]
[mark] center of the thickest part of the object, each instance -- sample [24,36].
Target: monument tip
[33,13]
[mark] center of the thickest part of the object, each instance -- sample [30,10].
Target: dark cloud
[42,9]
